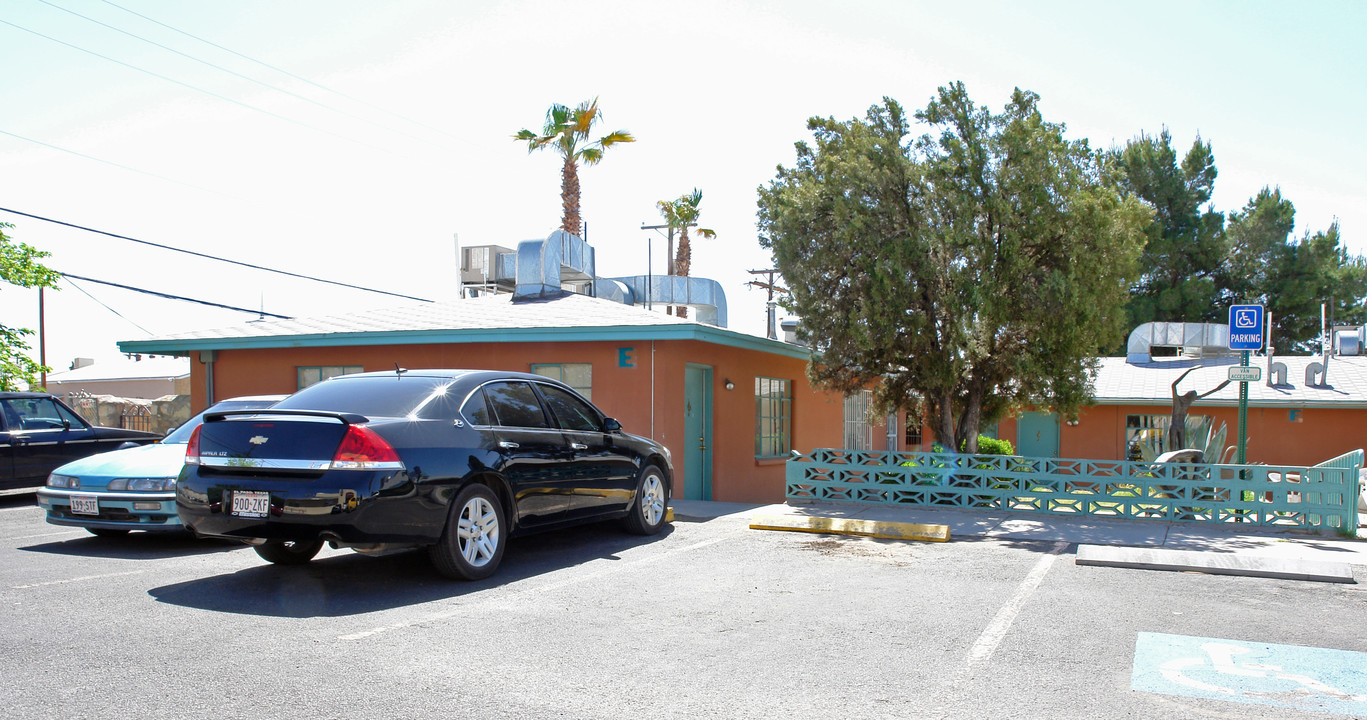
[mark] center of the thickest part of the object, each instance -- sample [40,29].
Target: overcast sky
[389,131]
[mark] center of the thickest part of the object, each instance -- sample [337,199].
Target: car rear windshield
[389,396]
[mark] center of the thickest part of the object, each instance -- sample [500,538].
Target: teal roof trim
[619,333]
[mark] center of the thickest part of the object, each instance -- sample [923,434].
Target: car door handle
[578,446]
[509,445]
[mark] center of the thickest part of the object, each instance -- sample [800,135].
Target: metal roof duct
[1208,338]
[543,266]
[705,296]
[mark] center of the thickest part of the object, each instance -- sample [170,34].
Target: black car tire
[288,552]
[647,515]
[107,532]
[472,544]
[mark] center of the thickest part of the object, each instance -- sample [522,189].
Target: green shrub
[993,446]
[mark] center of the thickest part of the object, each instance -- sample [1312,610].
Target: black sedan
[38,433]
[454,460]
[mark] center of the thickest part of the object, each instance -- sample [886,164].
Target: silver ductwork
[1199,339]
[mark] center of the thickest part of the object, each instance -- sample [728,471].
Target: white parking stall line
[537,589]
[43,535]
[75,580]
[996,630]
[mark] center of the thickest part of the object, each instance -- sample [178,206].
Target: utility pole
[670,263]
[768,284]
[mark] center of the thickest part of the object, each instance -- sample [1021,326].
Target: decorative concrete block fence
[1322,497]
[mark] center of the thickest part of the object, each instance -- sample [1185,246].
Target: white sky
[715,92]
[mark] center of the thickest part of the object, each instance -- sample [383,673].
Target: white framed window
[577,375]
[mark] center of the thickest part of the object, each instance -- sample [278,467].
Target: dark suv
[38,433]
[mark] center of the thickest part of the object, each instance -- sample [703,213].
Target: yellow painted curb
[852,526]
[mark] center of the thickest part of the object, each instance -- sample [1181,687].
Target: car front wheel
[472,543]
[289,552]
[647,514]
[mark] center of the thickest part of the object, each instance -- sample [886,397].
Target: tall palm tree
[682,214]
[567,130]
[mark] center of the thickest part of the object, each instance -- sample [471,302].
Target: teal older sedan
[111,493]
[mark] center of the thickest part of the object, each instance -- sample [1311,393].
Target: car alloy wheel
[478,532]
[472,543]
[647,514]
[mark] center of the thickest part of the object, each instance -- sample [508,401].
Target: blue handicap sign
[1288,676]
[1245,327]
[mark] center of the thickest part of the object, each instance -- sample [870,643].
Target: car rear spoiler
[345,418]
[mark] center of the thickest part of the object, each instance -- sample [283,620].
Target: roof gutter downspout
[208,357]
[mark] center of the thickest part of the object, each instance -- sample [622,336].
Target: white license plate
[85,505]
[251,504]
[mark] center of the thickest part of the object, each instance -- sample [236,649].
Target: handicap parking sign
[1246,327]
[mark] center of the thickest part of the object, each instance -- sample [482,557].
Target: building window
[858,432]
[312,375]
[773,417]
[912,438]
[1146,436]
[577,375]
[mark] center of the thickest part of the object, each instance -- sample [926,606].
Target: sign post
[1245,334]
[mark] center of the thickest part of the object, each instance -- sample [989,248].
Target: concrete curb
[1214,563]
[852,526]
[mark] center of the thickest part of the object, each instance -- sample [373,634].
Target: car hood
[157,460]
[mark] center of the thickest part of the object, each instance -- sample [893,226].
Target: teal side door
[697,465]
[1037,435]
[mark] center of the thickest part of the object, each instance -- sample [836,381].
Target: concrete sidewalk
[1277,547]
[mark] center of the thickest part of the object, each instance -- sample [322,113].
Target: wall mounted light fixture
[729,385]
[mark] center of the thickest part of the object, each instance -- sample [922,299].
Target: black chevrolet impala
[453,460]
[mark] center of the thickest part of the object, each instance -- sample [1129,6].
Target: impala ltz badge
[259,440]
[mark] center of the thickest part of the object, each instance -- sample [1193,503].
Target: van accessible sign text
[1246,327]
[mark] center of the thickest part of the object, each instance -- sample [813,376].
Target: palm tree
[683,214]
[567,130]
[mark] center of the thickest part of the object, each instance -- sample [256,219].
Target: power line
[286,72]
[210,93]
[110,163]
[105,306]
[171,297]
[213,257]
[220,68]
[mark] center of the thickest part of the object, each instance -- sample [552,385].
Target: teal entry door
[697,460]
[1037,435]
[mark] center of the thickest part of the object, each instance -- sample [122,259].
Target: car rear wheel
[647,514]
[289,552]
[472,544]
[107,532]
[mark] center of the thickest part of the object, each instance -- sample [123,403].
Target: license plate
[85,505]
[251,504]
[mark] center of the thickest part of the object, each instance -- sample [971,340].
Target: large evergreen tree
[1185,247]
[978,267]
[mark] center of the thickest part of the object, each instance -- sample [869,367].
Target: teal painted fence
[1320,497]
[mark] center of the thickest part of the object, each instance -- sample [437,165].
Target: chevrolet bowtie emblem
[259,440]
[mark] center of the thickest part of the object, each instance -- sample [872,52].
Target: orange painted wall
[622,392]
[1273,438]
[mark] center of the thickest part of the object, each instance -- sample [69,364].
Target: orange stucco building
[728,405]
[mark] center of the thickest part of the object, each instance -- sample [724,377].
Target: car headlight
[63,481]
[143,484]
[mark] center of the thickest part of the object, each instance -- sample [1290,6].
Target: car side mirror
[611,425]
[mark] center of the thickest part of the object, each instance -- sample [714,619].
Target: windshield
[181,435]
[376,396]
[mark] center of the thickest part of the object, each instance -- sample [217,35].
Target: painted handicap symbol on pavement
[1303,678]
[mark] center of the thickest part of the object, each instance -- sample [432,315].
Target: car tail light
[363,449]
[192,447]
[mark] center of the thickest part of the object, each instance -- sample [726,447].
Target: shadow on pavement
[353,584]
[135,546]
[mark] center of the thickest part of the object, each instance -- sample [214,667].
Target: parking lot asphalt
[1156,545]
